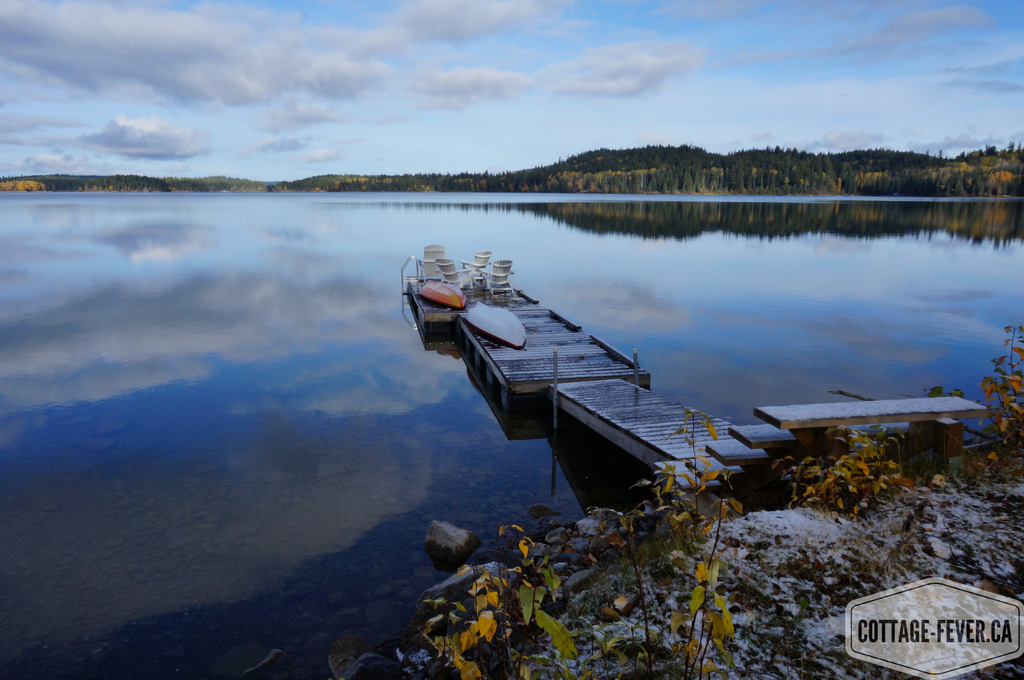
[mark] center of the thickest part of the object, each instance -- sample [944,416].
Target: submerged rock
[448,546]
[374,667]
[237,660]
[537,511]
[344,652]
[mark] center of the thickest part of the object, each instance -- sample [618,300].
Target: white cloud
[321,156]
[848,141]
[281,145]
[149,138]
[238,57]
[54,163]
[459,20]
[623,70]
[293,116]
[21,122]
[962,142]
[462,87]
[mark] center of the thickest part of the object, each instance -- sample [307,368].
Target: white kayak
[500,325]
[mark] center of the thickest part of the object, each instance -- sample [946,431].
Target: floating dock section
[522,375]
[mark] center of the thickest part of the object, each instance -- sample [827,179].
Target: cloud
[149,138]
[961,142]
[915,27]
[282,145]
[206,54]
[847,141]
[997,67]
[20,122]
[461,20]
[321,156]
[54,163]
[988,86]
[462,87]
[874,42]
[624,70]
[768,136]
[294,116]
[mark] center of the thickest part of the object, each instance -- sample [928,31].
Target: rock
[573,558]
[589,526]
[344,651]
[557,537]
[374,667]
[237,660]
[452,589]
[537,511]
[598,544]
[540,550]
[580,544]
[273,657]
[579,580]
[335,598]
[448,546]
[305,621]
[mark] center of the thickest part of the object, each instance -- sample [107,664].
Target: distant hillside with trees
[139,183]
[646,170]
[692,170]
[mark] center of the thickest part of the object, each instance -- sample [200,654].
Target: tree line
[692,170]
[647,170]
[139,183]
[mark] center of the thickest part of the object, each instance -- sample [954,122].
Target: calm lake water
[217,427]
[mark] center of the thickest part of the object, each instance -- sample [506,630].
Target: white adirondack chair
[430,256]
[449,274]
[497,278]
[475,269]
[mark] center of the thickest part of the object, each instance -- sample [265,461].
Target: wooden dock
[643,424]
[522,375]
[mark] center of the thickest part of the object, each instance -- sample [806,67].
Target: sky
[283,90]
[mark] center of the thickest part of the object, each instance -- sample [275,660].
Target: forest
[692,170]
[647,170]
[139,183]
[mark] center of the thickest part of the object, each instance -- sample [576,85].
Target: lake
[217,425]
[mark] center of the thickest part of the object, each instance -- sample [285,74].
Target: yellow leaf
[481,603]
[610,613]
[677,620]
[713,572]
[696,600]
[702,572]
[470,671]
[560,637]
[992,456]
[492,598]
[621,602]
[524,548]
[487,625]
[467,638]
[518,528]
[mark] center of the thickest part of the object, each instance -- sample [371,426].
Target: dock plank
[528,371]
[638,421]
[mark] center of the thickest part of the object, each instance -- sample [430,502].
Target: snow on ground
[973,535]
[790,573]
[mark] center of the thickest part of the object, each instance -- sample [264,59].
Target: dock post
[636,370]
[554,394]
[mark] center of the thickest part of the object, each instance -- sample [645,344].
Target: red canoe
[444,293]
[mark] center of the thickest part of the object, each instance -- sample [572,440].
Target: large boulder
[344,652]
[448,546]
[453,589]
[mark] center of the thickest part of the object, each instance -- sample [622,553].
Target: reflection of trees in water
[998,221]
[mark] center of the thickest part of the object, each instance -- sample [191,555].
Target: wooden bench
[933,422]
